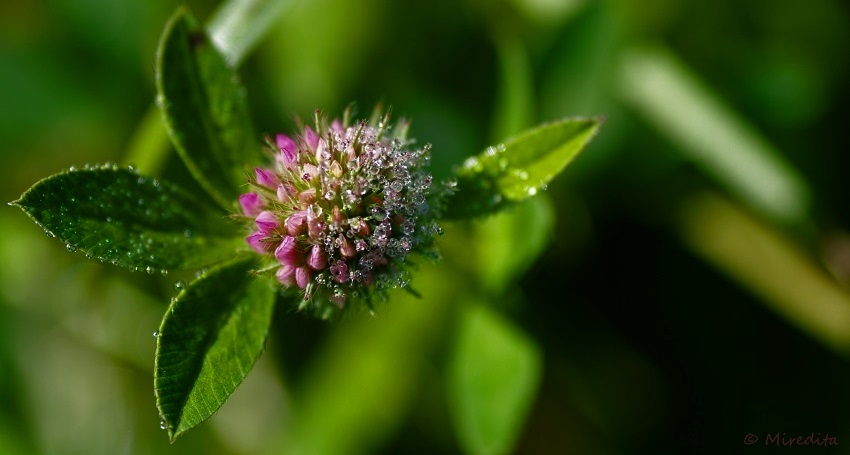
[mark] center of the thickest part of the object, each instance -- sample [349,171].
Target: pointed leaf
[119,216]
[204,108]
[493,379]
[519,168]
[208,341]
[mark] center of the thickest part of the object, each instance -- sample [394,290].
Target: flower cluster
[341,209]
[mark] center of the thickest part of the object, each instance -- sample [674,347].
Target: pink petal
[266,177]
[311,138]
[302,277]
[285,191]
[315,225]
[288,150]
[296,224]
[336,126]
[340,271]
[286,275]
[251,204]
[307,196]
[266,222]
[258,243]
[317,259]
[287,252]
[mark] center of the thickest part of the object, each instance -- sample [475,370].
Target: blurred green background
[692,279]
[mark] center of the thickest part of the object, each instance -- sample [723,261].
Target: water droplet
[179,285]
[349,197]
[173,300]
[531,191]
[162,424]
[156,333]
[397,185]
[379,214]
[71,248]
[408,227]
[330,194]
[72,169]
[149,269]
[187,233]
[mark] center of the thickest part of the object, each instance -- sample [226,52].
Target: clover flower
[340,210]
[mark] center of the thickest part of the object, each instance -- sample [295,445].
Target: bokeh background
[685,281]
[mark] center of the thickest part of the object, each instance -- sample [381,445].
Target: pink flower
[287,252]
[340,209]
[317,259]
[251,204]
[256,241]
[340,271]
[302,277]
[266,178]
[266,222]
[311,138]
[288,150]
[286,275]
[296,224]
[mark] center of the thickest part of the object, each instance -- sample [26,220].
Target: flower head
[340,210]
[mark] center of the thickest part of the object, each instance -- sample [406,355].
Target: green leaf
[204,108]
[520,167]
[208,341]
[493,378]
[119,216]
